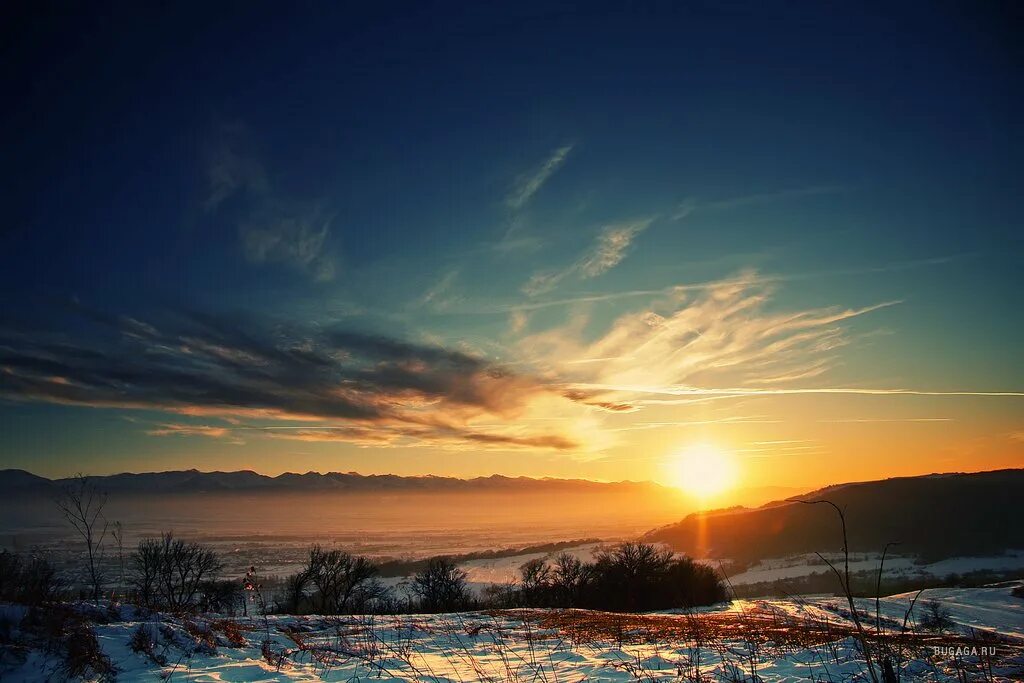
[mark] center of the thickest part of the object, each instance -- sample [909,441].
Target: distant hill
[935,516]
[14,482]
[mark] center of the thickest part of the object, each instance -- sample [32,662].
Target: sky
[528,239]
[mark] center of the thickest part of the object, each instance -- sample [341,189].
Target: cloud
[530,183]
[690,205]
[540,283]
[739,419]
[189,430]
[715,336]
[748,278]
[440,295]
[517,322]
[858,420]
[209,431]
[273,228]
[853,391]
[446,441]
[609,249]
[295,236]
[230,171]
[714,344]
[371,387]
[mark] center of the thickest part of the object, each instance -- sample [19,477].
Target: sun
[703,470]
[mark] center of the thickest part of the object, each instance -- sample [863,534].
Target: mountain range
[195,481]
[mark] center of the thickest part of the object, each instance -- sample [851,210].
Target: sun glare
[703,470]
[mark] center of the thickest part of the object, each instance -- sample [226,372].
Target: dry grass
[230,630]
[762,626]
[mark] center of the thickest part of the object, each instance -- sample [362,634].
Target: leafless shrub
[143,642]
[936,618]
[230,630]
[28,581]
[67,633]
[223,596]
[83,658]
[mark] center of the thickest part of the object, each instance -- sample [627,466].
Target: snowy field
[503,570]
[771,640]
[896,566]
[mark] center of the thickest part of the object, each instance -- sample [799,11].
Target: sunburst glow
[703,470]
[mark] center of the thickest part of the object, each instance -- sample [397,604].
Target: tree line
[175,575]
[172,574]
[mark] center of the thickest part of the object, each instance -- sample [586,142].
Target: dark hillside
[934,516]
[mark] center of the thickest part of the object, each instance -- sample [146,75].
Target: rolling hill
[934,516]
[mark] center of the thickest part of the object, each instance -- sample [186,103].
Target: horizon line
[491,476]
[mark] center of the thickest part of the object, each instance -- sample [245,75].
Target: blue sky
[451,206]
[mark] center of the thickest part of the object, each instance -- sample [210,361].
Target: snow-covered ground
[896,566]
[533,645]
[505,569]
[989,608]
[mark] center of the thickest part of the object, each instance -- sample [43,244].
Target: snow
[989,608]
[805,565]
[984,608]
[896,566]
[483,573]
[517,645]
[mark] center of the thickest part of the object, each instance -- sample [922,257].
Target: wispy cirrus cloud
[688,206]
[273,228]
[528,184]
[293,235]
[612,245]
[516,236]
[231,171]
[868,420]
[608,250]
[853,391]
[749,277]
[189,430]
[441,295]
[210,431]
[720,343]
[724,335]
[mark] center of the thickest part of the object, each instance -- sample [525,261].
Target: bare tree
[568,576]
[169,572]
[441,586]
[536,578]
[118,535]
[147,563]
[341,579]
[82,505]
[295,591]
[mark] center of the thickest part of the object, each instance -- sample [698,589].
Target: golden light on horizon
[703,470]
